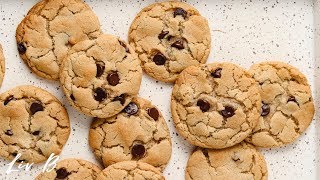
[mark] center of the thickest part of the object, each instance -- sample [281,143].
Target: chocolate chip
[138,151]
[100,68]
[178,44]
[121,98]
[131,109]
[113,78]
[159,59]
[21,48]
[35,107]
[204,105]
[180,12]
[99,94]
[292,99]
[36,133]
[62,173]
[154,113]
[14,154]
[125,46]
[72,97]
[10,98]
[163,34]
[228,112]
[9,133]
[216,73]
[265,110]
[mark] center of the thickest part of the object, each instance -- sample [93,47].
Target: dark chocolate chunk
[121,98]
[203,105]
[138,151]
[10,98]
[228,112]
[36,107]
[131,109]
[9,133]
[21,48]
[113,78]
[265,110]
[154,113]
[217,73]
[159,59]
[163,34]
[100,68]
[100,94]
[178,44]
[180,12]
[62,173]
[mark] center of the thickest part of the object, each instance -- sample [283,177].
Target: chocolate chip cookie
[215,105]
[50,29]
[100,77]
[168,37]
[139,133]
[130,170]
[239,162]
[2,65]
[287,104]
[33,123]
[72,169]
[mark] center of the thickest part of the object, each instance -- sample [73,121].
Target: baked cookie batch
[221,108]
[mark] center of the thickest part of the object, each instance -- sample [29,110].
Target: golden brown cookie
[139,133]
[130,170]
[215,105]
[50,29]
[33,123]
[287,104]
[241,162]
[100,77]
[168,37]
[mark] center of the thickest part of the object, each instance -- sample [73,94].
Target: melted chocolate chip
[154,113]
[138,151]
[10,98]
[217,73]
[265,110]
[204,105]
[228,112]
[72,97]
[9,133]
[292,99]
[180,12]
[178,44]
[121,98]
[36,133]
[100,94]
[100,68]
[36,107]
[62,173]
[125,46]
[113,78]
[21,48]
[163,34]
[131,109]
[159,59]
[14,154]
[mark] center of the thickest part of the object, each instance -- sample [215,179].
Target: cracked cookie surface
[241,162]
[130,170]
[33,123]
[139,133]
[72,169]
[50,29]
[2,65]
[215,105]
[287,104]
[100,77]
[168,37]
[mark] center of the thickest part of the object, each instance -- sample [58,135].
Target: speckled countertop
[243,32]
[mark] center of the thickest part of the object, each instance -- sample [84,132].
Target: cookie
[287,104]
[50,29]
[139,133]
[2,65]
[100,77]
[72,169]
[33,123]
[168,37]
[130,170]
[215,105]
[241,162]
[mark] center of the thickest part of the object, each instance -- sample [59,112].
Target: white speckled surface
[243,32]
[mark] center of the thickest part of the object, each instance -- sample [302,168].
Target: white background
[243,32]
